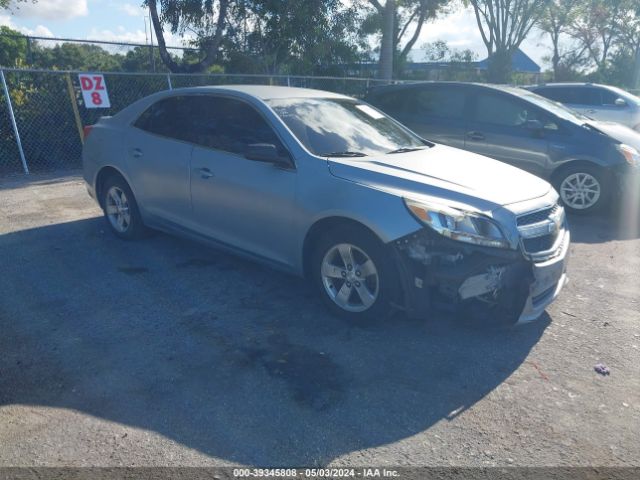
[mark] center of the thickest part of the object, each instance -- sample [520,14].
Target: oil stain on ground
[314,380]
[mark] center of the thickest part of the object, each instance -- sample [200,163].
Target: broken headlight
[459,225]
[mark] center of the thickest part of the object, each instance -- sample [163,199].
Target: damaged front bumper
[503,286]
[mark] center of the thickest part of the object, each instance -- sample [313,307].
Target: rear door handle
[136,152]
[205,173]
[475,136]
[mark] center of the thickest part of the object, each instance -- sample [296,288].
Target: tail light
[86,130]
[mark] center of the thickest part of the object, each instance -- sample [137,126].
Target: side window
[445,103]
[609,98]
[230,125]
[555,94]
[502,110]
[167,117]
[587,96]
[509,112]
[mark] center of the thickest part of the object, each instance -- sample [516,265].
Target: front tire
[353,275]
[583,189]
[121,209]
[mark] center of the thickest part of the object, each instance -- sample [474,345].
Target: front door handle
[205,173]
[136,152]
[475,136]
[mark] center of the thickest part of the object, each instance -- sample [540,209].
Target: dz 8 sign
[94,91]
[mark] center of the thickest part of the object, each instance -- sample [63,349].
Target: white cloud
[50,9]
[132,10]
[128,36]
[39,31]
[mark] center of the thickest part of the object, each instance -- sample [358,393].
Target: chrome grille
[540,230]
[536,217]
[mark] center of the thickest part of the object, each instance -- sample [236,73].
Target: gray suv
[587,161]
[600,102]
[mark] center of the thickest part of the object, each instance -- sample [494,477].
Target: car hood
[445,173]
[618,132]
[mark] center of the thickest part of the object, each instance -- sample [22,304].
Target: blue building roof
[520,62]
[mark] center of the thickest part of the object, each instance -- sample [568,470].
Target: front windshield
[343,127]
[554,107]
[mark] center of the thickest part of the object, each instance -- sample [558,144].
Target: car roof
[569,84]
[263,92]
[402,86]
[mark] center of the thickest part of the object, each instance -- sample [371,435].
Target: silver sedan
[327,187]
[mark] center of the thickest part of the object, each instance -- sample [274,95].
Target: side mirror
[620,102]
[267,153]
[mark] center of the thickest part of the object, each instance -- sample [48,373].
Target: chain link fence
[49,134]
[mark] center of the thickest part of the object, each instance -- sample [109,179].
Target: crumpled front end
[489,284]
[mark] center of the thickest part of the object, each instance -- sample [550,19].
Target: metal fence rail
[46,135]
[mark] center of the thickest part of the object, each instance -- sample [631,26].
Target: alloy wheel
[117,209]
[580,191]
[350,278]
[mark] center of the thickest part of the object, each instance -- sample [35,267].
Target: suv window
[555,94]
[575,95]
[502,110]
[168,117]
[608,97]
[447,102]
[231,125]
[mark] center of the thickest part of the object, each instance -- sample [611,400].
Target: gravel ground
[166,353]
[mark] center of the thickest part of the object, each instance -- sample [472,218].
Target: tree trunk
[210,47]
[385,65]
[499,69]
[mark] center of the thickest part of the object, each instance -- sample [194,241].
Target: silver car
[327,187]
[600,102]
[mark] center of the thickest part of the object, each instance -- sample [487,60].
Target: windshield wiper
[344,154]
[406,149]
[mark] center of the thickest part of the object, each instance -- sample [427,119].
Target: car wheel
[353,275]
[582,189]
[121,210]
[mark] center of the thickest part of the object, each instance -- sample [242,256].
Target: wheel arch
[327,224]
[580,162]
[104,173]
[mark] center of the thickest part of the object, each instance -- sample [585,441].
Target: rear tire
[583,189]
[353,275]
[121,209]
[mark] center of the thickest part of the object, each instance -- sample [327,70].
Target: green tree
[289,36]
[504,24]
[596,27]
[207,18]
[556,22]
[76,56]
[13,48]
[399,24]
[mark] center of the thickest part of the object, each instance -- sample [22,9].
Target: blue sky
[124,21]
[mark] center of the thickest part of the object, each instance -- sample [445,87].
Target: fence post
[14,124]
[169,81]
[288,81]
[74,105]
